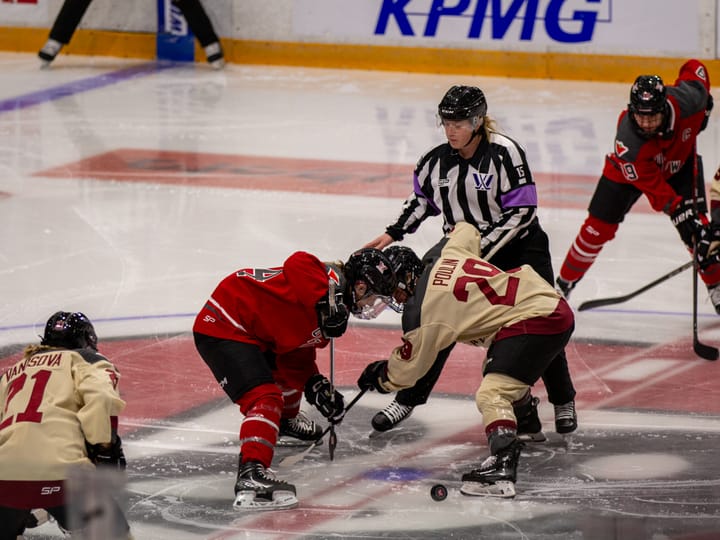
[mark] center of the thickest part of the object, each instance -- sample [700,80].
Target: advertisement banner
[24,12]
[175,41]
[633,27]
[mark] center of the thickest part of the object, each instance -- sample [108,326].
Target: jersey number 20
[476,271]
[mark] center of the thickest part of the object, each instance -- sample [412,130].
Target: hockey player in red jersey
[258,333]
[517,315]
[654,155]
[58,409]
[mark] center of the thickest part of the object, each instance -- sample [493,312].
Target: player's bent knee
[265,397]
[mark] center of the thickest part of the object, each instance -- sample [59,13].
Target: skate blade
[532,437]
[292,442]
[503,488]
[248,501]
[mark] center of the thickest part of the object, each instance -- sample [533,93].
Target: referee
[479,176]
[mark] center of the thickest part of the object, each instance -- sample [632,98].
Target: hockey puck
[438,492]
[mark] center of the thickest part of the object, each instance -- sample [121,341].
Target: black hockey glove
[333,320]
[104,455]
[373,376]
[330,402]
[708,110]
[705,237]
[686,222]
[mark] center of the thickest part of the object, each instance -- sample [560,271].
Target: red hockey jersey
[648,163]
[273,308]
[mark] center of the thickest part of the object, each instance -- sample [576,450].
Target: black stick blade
[705,351]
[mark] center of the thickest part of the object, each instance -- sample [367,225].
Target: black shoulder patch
[91,356]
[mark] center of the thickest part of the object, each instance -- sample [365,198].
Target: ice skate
[214,55]
[714,293]
[496,475]
[49,51]
[391,416]
[298,431]
[529,427]
[257,488]
[565,418]
[564,287]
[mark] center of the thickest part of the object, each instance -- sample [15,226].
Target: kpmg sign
[565,21]
[594,26]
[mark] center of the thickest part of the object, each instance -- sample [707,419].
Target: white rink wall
[657,28]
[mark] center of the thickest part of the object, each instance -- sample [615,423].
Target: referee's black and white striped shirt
[493,190]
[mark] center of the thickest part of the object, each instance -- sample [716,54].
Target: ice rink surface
[128,190]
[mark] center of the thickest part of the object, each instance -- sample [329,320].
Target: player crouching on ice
[522,320]
[59,408]
[258,333]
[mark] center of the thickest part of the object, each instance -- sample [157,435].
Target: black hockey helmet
[70,331]
[407,267]
[373,268]
[647,95]
[462,102]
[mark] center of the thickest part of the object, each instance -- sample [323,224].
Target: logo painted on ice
[482,181]
[565,21]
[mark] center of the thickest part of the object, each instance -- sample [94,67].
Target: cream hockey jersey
[466,299]
[51,402]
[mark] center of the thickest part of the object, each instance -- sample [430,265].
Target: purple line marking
[83,85]
[41,325]
[189,315]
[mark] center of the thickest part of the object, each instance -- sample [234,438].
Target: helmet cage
[408,268]
[370,267]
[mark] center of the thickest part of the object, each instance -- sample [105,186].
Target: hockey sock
[291,402]
[593,235]
[262,407]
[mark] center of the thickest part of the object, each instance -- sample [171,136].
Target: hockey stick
[289,461]
[600,302]
[703,351]
[332,440]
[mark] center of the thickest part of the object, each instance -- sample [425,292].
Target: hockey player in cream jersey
[517,315]
[58,410]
